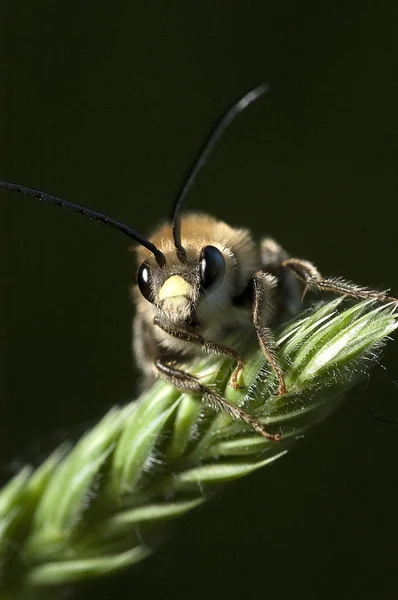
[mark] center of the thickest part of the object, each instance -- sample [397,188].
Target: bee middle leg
[189,383]
[263,287]
[207,346]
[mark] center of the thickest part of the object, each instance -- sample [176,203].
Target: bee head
[180,287]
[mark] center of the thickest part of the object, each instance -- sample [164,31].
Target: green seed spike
[84,513]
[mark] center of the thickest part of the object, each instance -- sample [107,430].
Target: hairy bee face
[192,291]
[179,291]
[172,290]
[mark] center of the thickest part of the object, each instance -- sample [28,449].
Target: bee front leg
[189,383]
[263,288]
[310,276]
[207,346]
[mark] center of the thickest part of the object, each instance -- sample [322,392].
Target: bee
[199,279]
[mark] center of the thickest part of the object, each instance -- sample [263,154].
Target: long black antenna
[87,212]
[202,157]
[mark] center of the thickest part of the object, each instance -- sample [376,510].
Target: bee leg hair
[207,346]
[189,383]
[310,276]
[262,292]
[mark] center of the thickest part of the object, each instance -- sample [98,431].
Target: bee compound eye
[144,280]
[212,266]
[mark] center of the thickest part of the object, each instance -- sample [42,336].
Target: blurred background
[106,104]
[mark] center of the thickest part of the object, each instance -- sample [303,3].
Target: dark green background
[106,104]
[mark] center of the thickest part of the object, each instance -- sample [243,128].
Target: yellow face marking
[175,286]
